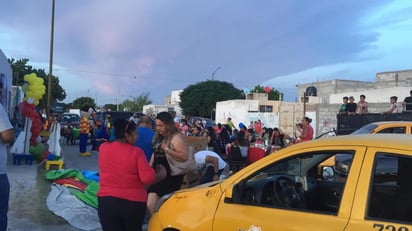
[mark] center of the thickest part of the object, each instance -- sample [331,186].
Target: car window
[400,130]
[365,129]
[391,188]
[298,182]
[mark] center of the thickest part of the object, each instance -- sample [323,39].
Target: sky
[116,50]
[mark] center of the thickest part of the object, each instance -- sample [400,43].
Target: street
[29,190]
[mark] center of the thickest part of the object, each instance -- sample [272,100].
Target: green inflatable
[76,134]
[37,151]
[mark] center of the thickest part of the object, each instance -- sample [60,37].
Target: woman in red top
[124,172]
[307,133]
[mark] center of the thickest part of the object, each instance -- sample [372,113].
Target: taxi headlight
[162,200]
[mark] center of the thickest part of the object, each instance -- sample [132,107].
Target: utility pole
[213,74]
[49,85]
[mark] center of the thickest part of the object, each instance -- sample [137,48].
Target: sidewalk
[29,190]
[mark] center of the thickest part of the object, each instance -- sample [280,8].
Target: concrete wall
[326,114]
[152,109]
[394,79]
[235,109]
[380,95]
[326,88]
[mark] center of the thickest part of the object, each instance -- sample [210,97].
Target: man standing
[351,106]
[362,107]
[407,103]
[6,136]
[134,118]
[342,109]
[84,131]
[230,123]
[145,136]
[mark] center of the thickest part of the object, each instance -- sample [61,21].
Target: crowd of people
[349,106]
[136,168]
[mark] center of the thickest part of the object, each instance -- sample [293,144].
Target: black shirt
[351,107]
[408,101]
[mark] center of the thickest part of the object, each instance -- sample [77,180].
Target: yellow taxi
[399,127]
[371,190]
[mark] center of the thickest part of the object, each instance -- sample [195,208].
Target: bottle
[266,140]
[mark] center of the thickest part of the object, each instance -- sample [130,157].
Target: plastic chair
[235,159]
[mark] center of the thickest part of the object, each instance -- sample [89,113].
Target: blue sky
[120,49]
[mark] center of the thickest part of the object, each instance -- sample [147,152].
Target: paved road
[29,190]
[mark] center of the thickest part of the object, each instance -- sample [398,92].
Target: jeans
[4,200]
[209,174]
[83,142]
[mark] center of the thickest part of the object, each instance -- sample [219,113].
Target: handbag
[182,167]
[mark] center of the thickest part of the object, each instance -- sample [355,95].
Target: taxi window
[399,130]
[391,188]
[298,183]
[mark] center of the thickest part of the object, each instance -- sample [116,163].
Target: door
[383,200]
[292,194]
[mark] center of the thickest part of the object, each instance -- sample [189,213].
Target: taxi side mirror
[327,172]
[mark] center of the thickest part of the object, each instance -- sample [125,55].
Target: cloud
[168,45]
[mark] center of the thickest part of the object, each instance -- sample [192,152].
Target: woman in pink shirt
[124,172]
[307,133]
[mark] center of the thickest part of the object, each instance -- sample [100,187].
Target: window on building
[265,108]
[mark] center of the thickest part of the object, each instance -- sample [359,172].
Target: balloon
[37,150]
[267,89]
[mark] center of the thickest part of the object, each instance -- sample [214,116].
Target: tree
[83,101]
[21,68]
[110,107]
[273,94]
[200,99]
[136,105]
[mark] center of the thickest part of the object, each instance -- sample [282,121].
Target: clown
[84,130]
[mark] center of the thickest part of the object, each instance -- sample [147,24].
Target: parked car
[285,191]
[205,121]
[114,115]
[66,117]
[347,124]
[400,127]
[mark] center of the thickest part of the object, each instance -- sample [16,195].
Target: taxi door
[383,200]
[259,213]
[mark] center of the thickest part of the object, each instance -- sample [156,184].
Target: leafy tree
[21,68]
[200,99]
[137,103]
[83,101]
[273,94]
[111,107]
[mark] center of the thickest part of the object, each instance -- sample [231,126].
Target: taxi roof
[401,141]
[392,122]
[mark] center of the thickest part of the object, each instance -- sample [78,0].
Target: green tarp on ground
[88,196]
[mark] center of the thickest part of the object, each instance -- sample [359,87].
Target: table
[255,153]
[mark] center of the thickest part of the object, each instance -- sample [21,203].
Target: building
[256,106]
[171,103]
[326,102]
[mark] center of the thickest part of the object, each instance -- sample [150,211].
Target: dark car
[66,117]
[205,121]
[114,115]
